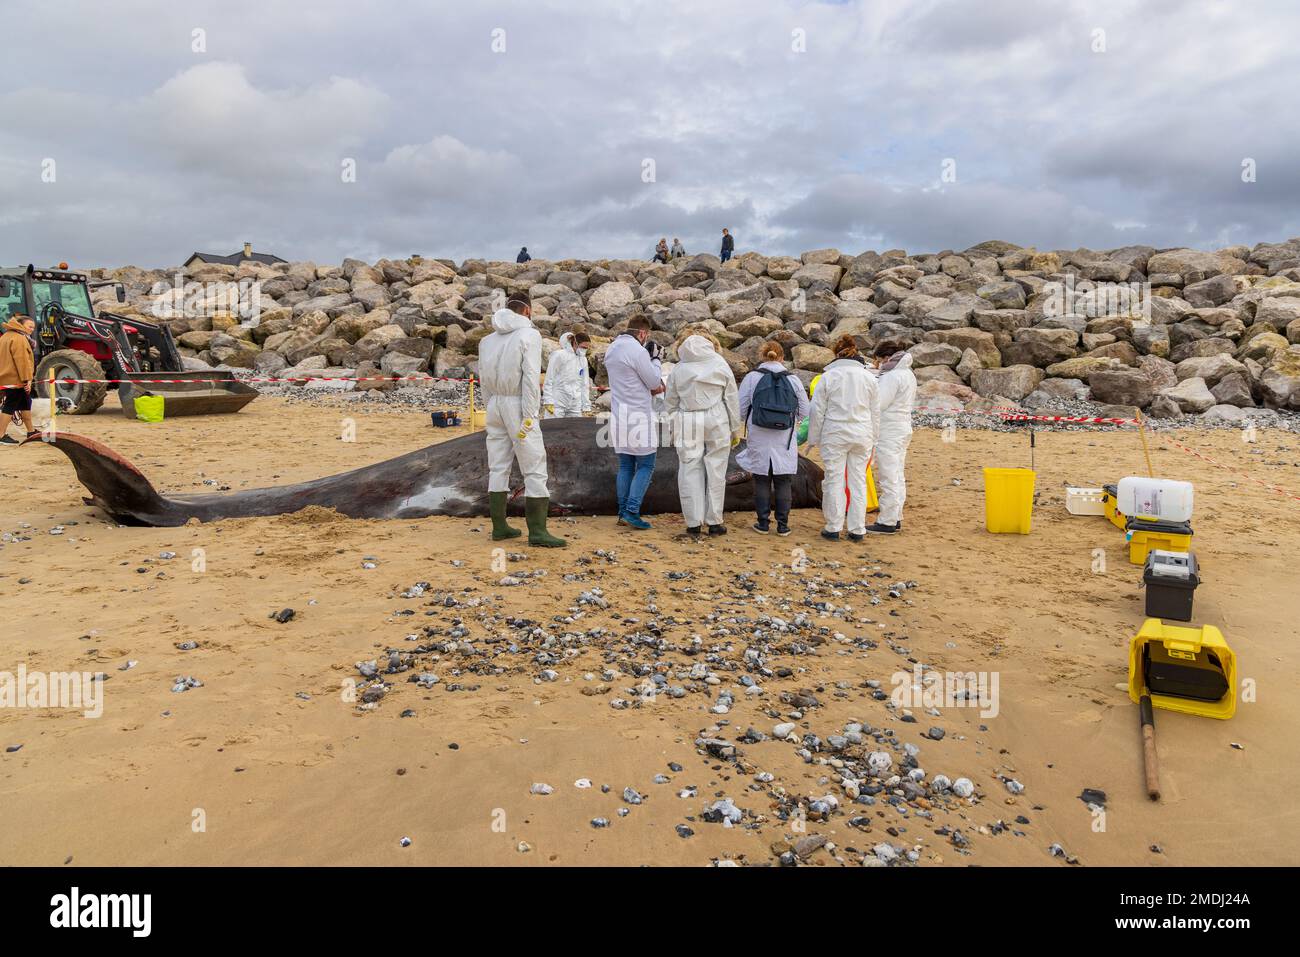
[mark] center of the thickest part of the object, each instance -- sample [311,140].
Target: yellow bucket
[1008,500]
[478,419]
[873,501]
[149,408]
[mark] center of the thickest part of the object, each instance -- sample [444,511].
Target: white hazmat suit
[844,421]
[510,368]
[567,390]
[897,394]
[701,401]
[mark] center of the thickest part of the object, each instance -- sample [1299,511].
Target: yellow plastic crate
[1193,645]
[1008,500]
[1145,536]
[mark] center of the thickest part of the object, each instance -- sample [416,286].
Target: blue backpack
[775,404]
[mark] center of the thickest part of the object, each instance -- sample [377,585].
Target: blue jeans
[634,472]
[726,254]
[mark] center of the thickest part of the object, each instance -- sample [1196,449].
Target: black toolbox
[1171,579]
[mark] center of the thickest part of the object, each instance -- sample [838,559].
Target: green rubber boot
[535,509]
[500,530]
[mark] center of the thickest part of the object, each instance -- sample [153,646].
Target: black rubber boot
[535,510]
[497,506]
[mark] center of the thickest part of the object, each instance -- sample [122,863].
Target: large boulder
[1192,395]
[1003,295]
[982,343]
[1279,384]
[935,354]
[1235,390]
[818,276]
[1014,382]
[1040,346]
[1214,291]
[610,296]
[812,358]
[1192,265]
[1124,386]
[1278,312]
[1210,368]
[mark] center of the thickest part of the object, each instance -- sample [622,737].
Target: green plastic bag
[801,435]
[149,408]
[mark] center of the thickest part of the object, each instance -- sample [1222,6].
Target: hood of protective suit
[899,360]
[696,349]
[566,343]
[507,320]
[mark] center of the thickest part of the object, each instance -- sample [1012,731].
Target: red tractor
[73,343]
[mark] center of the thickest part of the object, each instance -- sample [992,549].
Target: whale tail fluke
[115,485]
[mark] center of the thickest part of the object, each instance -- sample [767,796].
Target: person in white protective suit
[844,420]
[510,367]
[567,390]
[896,387]
[700,398]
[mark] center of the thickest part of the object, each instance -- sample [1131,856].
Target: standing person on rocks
[567,390]
[700,399]
[632,363]
[728,245]
[897,391]
[772,401]
[523,256]
[678,250]
[510,366]
[661,251]
[17,367]
[844,421]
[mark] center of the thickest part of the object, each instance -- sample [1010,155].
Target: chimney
[248,250]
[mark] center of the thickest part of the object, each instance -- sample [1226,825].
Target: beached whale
[449,478]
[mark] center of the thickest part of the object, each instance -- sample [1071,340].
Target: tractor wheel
[85,397]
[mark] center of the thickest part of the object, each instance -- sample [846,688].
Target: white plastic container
[1085,501]
[1162,500]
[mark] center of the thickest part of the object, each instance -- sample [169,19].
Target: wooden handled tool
[1149,747]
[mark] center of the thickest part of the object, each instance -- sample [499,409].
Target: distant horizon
[648,259]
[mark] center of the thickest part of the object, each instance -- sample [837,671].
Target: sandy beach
[271,761]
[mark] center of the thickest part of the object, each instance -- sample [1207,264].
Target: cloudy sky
[590,129]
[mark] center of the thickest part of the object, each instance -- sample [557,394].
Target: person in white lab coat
[897,394]
[700,399]
[510,366]
[844,421]
[567,390]
[633,365]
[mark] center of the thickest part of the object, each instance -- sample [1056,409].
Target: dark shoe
[761,527]
[856,536]
[497,507]
[717,530]
[5,440]
[878,529]
[693,531]
[635,522]
[830,536]
[535,510]
[782,530]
